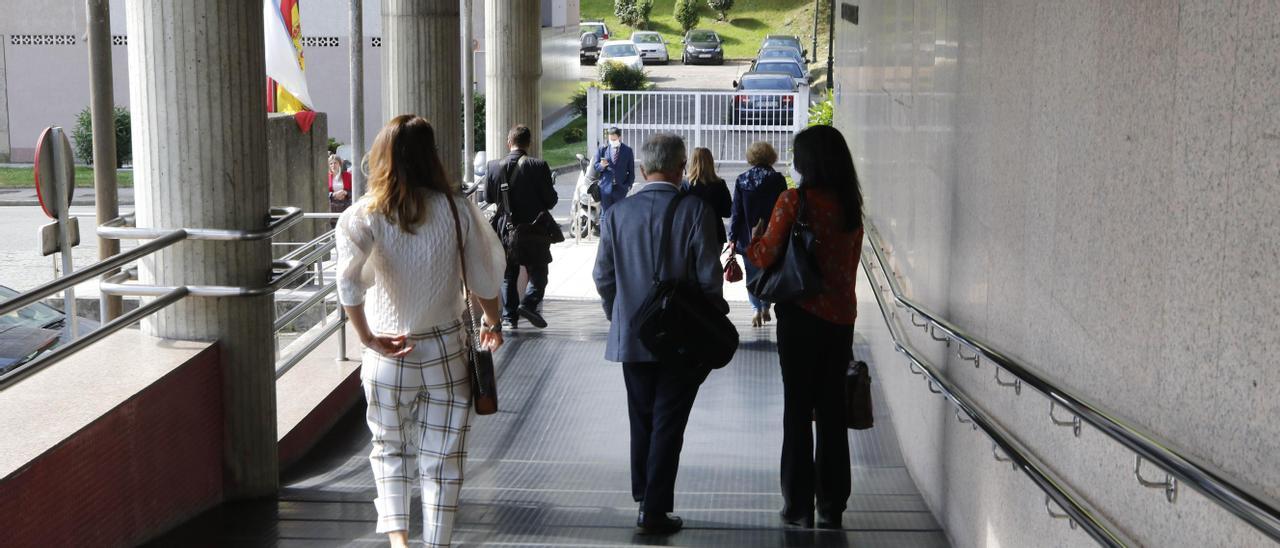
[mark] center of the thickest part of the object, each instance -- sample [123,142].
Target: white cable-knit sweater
[413,282]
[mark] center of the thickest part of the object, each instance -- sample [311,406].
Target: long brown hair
[702,167]
[403,166]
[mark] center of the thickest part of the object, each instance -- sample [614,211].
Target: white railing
[725,122]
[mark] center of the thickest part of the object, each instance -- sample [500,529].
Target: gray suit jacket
[625,261]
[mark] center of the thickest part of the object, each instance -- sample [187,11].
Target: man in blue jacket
[659,396]
[616,164]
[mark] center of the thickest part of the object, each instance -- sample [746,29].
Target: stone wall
[1091,186]
[297,167]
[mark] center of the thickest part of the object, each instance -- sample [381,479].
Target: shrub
[333,145]
[823,113]
[721,7]
[82,137]
[578,101]
[686,14]
[617,76]
[575,135]
[633,13]
[477,119]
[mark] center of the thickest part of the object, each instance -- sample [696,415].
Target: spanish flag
[286,77]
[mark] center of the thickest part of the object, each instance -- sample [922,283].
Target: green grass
[749,21]
[22,177]
[557,152]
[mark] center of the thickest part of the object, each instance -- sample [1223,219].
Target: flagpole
[357,98]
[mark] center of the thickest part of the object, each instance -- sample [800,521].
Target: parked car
[588,49]
[763,107]
[33,330]
[702,46]
[774,40]
[621,51]
[597,28]
[774,53]
[796,70]
[652,46]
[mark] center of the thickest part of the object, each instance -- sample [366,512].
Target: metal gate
[725,122]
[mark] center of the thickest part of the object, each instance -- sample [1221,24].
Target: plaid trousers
[419,413]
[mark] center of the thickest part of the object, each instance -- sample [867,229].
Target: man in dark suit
[615,162]
[531,191]
[659,396]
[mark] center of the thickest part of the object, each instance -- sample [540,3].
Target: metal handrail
[1075,507]
[123,228]
[293,313]
[90,272]
[336,324]
[1244,502]
[121,322]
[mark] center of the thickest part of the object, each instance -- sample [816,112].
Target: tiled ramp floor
[551,469]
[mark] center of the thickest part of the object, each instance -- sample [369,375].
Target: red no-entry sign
[54,170]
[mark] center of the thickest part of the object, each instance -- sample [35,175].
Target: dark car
[771,102]
[702,46]
[796,70]
[593,34]
[774,40]
[30,331]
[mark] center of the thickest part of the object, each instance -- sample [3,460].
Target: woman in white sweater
[400,281]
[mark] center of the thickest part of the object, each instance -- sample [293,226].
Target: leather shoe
[659,524]
[533,316]
[834,521]
[802,522]
[510,324]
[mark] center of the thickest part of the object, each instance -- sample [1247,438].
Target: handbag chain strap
[467,316]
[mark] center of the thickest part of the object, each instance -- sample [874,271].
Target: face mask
[614,144]
[796,176]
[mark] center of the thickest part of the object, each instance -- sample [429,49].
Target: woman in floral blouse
[815,334]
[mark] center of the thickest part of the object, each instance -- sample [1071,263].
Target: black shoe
[659,524]
[802,522]
[533,316]
[510,324]
[834,521]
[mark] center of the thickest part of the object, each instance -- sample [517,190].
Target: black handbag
[795,275]
[857,383]
[484,379]
[677,323]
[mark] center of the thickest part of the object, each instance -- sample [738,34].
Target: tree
[721,7]
[686,14]
[633,13]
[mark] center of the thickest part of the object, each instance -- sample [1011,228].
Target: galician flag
[284,55]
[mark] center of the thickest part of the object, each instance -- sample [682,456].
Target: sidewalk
[83,197]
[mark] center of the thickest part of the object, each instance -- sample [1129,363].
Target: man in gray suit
[659,396]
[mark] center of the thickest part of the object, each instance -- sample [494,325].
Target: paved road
[677,76]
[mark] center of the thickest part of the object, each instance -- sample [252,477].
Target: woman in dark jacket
[815,334]
[704,184]
[754,194]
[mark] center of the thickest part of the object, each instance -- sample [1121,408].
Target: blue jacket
[619,176]
[754,195]
[625,260]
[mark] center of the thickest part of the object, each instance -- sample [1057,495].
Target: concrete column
[512,69]
[421,70]
[197,88]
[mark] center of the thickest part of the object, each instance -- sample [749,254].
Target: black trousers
[511,299]
[659,399]
[815,354]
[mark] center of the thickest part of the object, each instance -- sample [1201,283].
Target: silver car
[653,48]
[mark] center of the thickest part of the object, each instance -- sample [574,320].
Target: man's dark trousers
[511,299]
[659,399]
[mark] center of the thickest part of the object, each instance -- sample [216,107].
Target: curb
[36,203]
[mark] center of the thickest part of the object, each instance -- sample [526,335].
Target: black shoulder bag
[526,243]
[484,381]
[795,275]
[677,322]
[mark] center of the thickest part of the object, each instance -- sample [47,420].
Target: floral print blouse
[838,251]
